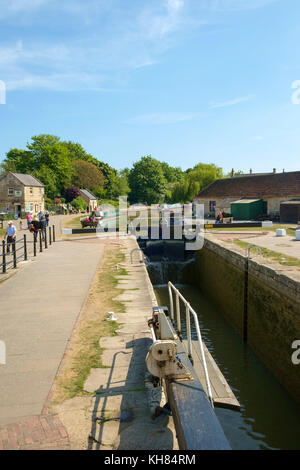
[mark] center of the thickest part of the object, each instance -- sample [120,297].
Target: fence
[13,252]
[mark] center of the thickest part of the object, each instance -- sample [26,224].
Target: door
[18,210]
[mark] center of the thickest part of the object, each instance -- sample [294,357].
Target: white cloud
[232,102]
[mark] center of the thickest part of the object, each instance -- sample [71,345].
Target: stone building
[90,199]
[20,194]
[274,188]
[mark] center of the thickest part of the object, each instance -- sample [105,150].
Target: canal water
[269,417]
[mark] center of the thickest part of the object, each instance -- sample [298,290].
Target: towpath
[38,310]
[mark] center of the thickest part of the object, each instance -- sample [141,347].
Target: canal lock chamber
[269,417]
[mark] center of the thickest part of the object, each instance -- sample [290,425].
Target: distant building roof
[255,186]
[28,180]
[88,194]
[245,201]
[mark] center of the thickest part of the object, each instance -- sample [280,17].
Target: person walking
[35,227]
[47,216]
[10,234]
[43,225]
[29,220]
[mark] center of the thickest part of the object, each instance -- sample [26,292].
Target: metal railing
[18,249]
[188,310]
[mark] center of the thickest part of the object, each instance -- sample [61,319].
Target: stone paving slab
[38,310]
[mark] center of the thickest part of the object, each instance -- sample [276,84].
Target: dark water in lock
[269,417]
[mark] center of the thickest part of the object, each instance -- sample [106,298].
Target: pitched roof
[255,186]
[28,180]
[88,194]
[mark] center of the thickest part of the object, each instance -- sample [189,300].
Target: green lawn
[274,255]
[291,231]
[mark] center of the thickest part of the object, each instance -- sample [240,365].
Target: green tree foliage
[59,164]
[147,181]
[72,192]
[46,158]
[171,174]
[79,204]
[87,176]
[195,180]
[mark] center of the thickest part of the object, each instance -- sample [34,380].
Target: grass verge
[274,255]
[291,231]
[85,352]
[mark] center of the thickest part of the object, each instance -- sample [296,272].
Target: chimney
[250,171]
[232,173]
[274,170]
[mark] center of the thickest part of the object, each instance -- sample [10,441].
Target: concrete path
[38,310]
[124,388]
[286,245]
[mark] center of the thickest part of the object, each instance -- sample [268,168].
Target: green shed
[247,209]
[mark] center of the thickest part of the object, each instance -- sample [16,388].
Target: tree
[48,150]
[87,176]
[172,174]
[195,180]
[147,181]
[18,161]
[48,178]
[72,192]
[47,158]
[79,203]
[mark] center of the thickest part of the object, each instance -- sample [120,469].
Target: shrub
[72,192]
[79,204]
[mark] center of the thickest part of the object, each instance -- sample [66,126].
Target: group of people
[34,224]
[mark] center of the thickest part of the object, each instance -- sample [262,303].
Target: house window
[212,206]
[31,207]
[31,190]
[10,191]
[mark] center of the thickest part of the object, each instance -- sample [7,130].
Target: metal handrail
[257,249]
[188,310]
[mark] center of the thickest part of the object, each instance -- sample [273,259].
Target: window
[31,190]
[212,206]
[10,191]
[31,207]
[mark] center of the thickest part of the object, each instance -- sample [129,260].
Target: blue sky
[186,81]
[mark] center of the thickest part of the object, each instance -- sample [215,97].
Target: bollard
[3,257]
[50,238]
[53,233]
[34,243]
[41,245]
[13,247]
[45,236]
[25,248]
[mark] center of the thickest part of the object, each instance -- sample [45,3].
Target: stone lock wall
[273,306]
